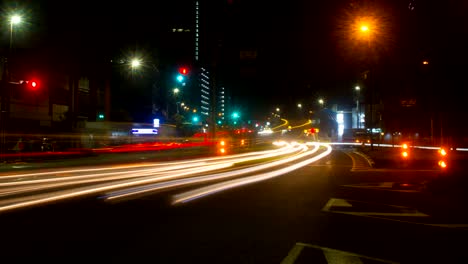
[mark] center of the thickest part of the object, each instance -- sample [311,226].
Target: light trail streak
[390,145]
[152,175]
[113,176]
[217,176]
[211,189]
[121,167]
[66,194]
[285,122]
[303,125]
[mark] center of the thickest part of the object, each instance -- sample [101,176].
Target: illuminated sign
[144,131]
[156,122]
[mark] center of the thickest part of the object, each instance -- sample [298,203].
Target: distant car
[362,137]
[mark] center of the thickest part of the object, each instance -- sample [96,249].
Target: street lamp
[176,91]
[135,63]
[299,105]
[277,109]
[321,102]
[15,19]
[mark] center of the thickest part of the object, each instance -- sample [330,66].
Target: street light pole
[5,94]
[366,31]
[358,114]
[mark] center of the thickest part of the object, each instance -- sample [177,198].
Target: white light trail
[118,179]
[217,176]
[211,189]
[66,194]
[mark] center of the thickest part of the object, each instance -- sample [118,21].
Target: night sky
[303,47]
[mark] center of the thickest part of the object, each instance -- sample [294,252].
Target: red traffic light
[183,70]
[32,85]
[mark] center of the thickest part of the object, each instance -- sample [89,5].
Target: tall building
[205,92]
[194,39]
[221,105]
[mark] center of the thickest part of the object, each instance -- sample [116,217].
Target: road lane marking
[341,258]
[404,212]
[342,203]
[293,254]
[332,256]
[331,251]
[399,170]
[381,186]
[358,165]
[367,158]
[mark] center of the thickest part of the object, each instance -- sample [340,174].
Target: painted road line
[402,170]
[341,258]
[382,186]
[357,166]
[347,207]
[367,158]
[327,255]
[331,251]
[359,208]
[293,254]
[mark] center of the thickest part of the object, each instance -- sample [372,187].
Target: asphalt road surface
[320,213]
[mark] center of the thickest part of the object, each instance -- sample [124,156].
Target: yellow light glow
[404,154]
[405,146]
[442,164]
[364,28]
[442,152]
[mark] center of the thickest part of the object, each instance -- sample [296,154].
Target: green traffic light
[180,78]
[235,115]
